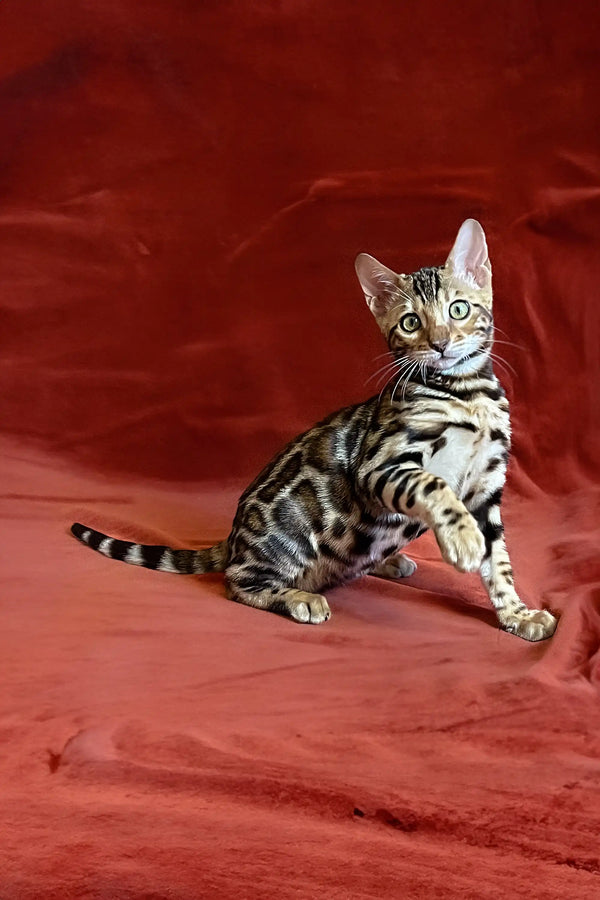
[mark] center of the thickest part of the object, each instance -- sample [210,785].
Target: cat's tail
[164,559]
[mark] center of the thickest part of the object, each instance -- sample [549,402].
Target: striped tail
[164,559]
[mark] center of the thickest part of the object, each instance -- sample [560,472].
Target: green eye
[410,322]
[459,309]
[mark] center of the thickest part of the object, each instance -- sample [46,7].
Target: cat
[430,452]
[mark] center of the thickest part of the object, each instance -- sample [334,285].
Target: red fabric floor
[160,741]
[183,189]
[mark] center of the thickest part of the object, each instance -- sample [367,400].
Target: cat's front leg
[417,493]
[496,573]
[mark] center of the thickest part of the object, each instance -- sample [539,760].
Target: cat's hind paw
[302,606]
[395,567]
[529,624]
[310,609]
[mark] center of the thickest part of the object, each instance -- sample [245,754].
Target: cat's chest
[473,434]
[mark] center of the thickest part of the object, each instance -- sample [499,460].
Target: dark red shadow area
[184,187]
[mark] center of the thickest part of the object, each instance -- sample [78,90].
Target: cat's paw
[310,609]
[529,624]
[394,567]
[462,544]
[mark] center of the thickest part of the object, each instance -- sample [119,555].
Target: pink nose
[440,346]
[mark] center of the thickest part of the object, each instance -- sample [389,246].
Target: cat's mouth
[446,363]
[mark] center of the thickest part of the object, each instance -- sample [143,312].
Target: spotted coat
[430,452]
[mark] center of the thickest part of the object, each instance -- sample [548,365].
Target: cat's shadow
[380,600]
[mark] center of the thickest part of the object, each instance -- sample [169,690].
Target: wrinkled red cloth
[184,189]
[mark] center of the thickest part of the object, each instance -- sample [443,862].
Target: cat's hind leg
[310,609]
[396,566]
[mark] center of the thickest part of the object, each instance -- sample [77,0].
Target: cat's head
[439,317]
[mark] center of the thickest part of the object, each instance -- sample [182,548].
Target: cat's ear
[379,283]
[469,261]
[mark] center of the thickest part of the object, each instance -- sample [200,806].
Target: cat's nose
[440,345]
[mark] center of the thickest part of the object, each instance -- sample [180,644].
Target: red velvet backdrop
[184,187]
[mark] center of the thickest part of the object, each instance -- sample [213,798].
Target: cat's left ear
[469,260]
[379,283]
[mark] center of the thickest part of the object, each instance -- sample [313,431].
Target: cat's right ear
[379,283]
[469,261]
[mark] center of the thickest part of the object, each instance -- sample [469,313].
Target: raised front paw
[462,543]
[529,624]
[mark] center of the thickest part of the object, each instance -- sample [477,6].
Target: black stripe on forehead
[426,283]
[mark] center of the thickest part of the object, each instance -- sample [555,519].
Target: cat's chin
[445,366]
[461,365]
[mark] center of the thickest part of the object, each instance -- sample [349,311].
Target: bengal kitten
[430,451]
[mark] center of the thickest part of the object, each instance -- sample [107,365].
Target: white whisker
[497,359]
[401,369]
[509,344]
[388,366]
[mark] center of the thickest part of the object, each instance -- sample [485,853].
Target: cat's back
[325,454]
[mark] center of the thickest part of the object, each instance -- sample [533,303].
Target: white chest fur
[462,459]
[471,440]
